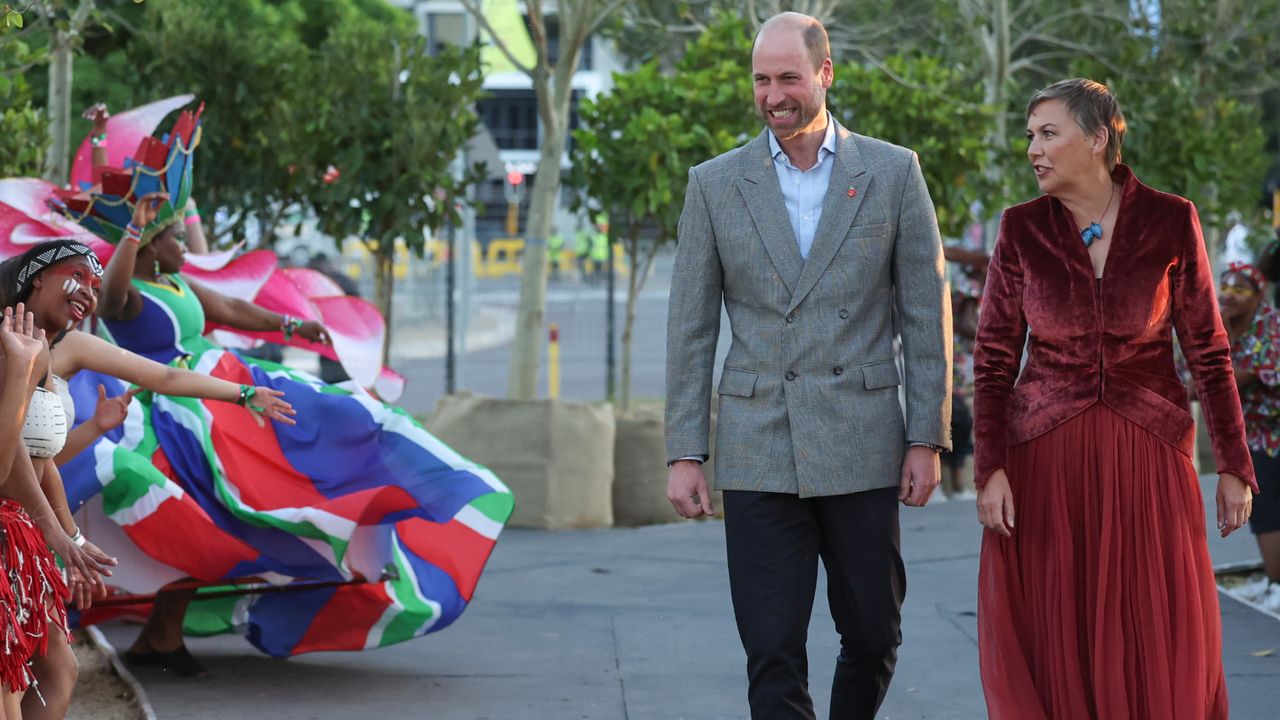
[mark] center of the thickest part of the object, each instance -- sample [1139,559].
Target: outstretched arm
[243,315]
[82,351]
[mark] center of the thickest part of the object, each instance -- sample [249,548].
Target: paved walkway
[635,625]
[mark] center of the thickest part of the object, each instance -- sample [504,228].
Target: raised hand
[147,208]
[98,115]
[110,412]
[20,339]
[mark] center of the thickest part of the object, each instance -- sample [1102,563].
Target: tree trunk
[55,162]
[640,268]
[522,379]
[384,287]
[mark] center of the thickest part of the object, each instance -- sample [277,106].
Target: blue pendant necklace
[1094,231]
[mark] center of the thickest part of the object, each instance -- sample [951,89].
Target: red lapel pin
[853,192]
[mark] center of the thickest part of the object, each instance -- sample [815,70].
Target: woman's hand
[271,404]
[83,589]
[313,331]
[1235,503]
[111,412]
[995,504]
[22,341]
[147,208]
[98,115]
[79,561]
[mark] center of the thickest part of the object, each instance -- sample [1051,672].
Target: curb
[117,665]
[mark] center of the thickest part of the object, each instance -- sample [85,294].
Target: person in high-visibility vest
[582,251]
[599,252]
[555,247]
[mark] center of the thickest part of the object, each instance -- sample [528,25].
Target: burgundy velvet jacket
[1109,341]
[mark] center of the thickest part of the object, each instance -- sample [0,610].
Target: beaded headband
[57,251]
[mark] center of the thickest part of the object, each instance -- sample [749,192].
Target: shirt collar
[828,142]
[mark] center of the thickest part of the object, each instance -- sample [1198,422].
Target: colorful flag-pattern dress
[357,490]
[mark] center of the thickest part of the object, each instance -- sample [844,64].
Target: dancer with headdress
[381,529]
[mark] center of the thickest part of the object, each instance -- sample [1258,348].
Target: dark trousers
[774,542]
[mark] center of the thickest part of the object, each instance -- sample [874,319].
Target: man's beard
[808,112]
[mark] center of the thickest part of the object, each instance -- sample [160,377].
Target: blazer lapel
[759,187]
[848,187]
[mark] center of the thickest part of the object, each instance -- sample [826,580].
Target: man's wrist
[931,446]
[700,459]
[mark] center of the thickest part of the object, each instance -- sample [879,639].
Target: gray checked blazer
[809,390]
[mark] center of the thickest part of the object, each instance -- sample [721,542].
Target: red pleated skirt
[1103,604]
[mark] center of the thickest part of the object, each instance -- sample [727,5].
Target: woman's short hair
[1093,106]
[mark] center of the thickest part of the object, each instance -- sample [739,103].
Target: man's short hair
[1093,106]
[815,35]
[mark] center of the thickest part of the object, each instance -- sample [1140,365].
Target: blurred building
[509,112]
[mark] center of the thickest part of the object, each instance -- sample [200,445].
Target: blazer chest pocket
[880,375]
[738,383]
[877,230]
[871,240]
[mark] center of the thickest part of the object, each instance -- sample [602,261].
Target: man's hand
[921,471]
[687,489]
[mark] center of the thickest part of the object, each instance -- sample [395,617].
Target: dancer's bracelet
[246,397]
[133,233]
[289,325]
[78,538]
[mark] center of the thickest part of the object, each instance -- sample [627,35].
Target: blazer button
[791,375]
[791,317]
[837,370]
[844,314]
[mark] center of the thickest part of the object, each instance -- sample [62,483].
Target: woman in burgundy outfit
[1096,593]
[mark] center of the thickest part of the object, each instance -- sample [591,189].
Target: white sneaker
[1253,589]
[965,494]
[1270,600]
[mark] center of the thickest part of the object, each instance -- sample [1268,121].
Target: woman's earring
[157,273]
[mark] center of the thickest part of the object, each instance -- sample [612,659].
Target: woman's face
[1061,155]
[1237,297]
[64,294]
[170,247]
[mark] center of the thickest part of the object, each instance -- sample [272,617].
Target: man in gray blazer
[822,245]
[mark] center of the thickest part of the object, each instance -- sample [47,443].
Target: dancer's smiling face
[64,293]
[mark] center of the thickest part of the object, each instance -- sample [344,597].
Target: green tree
[919,103]
[391,120]
[636,144]
[552,77]
[24,129]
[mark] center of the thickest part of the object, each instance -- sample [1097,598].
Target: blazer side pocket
[738,383]
[880,375]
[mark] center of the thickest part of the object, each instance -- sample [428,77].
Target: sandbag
[556,456]
[640,470]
